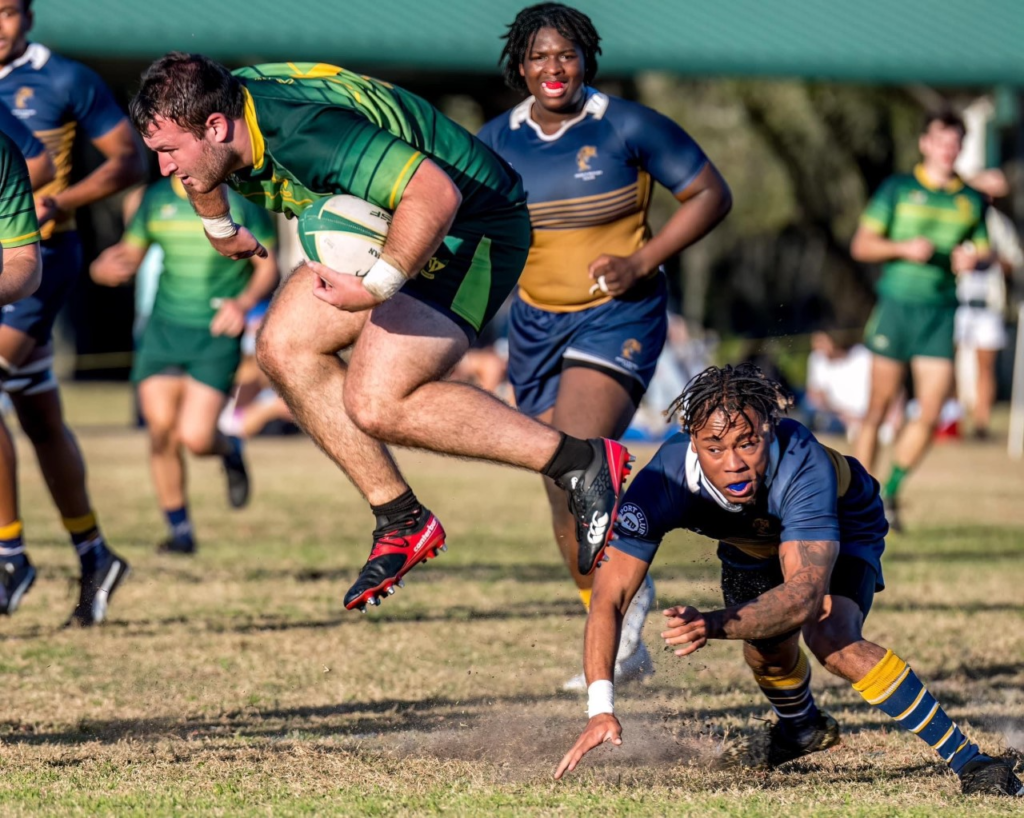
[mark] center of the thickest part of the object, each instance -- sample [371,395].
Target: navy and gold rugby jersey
[54,97]
[588,187]
[19,134]
[811,493]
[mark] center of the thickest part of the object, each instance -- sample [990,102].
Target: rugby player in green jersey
[21,267]
[288,135]
[186,361]
[924,228]
[21,270]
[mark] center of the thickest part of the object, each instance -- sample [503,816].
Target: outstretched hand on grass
[603,728]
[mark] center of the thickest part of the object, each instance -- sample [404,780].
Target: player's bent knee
[198,441]
[162,440]
[373,414]
[272,352]
[828,638]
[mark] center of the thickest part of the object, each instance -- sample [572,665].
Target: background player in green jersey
[186,361]
[21,270]
[288,135]
[924,228]
[21,267]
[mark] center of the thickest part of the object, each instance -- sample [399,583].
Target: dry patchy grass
[235,684]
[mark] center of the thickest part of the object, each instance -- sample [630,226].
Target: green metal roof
[948,42]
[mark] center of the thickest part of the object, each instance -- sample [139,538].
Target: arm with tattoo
[806,568]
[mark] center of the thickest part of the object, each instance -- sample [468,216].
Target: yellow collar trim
[255,136]
[178,187]
[952,186]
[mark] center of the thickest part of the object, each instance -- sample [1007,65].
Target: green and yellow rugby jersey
[909,206]
[18,224]
[318,130]
[193,272]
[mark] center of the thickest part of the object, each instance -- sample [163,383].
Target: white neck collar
[696,479]
[35,54]
[595,106]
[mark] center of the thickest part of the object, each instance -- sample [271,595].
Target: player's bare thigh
[200,410]
[887,377]
[160,400]
[299,323]
[18,349]
[933,384]
[591,403]
[404,345]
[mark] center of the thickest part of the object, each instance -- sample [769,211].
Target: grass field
[234,683]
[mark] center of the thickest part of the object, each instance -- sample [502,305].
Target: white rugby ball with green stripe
[344,232]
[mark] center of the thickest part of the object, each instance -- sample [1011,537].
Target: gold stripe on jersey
[319,71]
[569,234]
[401,178]
[58,143]
[255,135]
[12,239]
[591,210]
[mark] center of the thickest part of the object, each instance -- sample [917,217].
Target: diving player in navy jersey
[801,532]
[55,98]
[589,319]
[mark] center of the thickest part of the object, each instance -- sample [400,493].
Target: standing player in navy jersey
[589,320]
[41,170]
[801,533]
[55,98]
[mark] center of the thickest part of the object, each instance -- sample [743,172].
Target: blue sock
[894,688]
[11,542]
[236,448]
[87,540]
[179,524]
[791,698]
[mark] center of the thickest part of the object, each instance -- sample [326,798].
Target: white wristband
[220,227]
[384,280]
[600,698]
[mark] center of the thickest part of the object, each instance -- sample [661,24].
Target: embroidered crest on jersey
[583,157]
[632,518]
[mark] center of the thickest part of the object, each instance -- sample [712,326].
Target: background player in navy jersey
[801,531]
[41,170]
[589,320]
[55,97]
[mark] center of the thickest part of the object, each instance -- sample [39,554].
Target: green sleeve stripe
[372,175]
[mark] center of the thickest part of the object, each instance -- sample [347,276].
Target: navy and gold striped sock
[894,688]
[11,542]
[86,538]
[790,696]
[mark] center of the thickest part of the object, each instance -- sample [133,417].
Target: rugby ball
[344,232]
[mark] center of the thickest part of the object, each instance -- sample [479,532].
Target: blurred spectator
[838,386]
[682,357]
[980,318]
[255,408]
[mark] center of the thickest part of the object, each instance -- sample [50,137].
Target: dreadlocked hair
[572,24]
[737,391]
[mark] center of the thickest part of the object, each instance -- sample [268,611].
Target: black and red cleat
[397,547]
[594,495]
